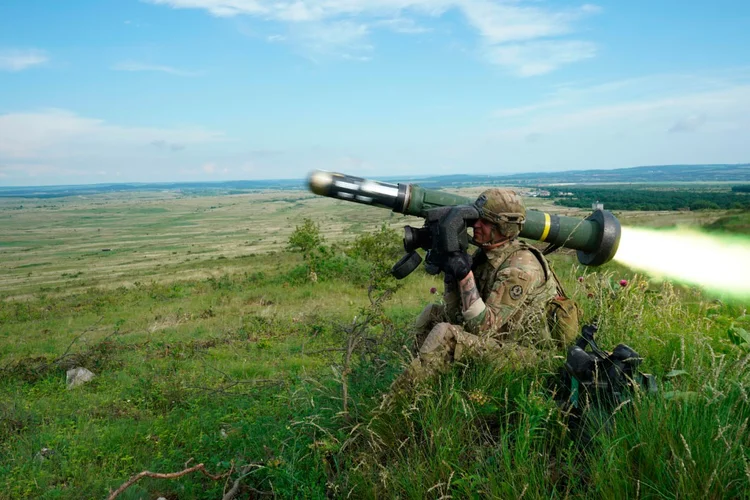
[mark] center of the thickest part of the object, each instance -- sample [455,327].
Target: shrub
[328,265]
[383,247]
[305,238]
[703,205]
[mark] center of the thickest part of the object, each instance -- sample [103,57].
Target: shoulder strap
[547,269]
[478,259]
[522,245]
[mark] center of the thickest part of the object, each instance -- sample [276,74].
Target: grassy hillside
[209,349]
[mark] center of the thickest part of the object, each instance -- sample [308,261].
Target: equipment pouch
[562,317]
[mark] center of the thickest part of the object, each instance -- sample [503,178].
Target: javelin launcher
[595,238]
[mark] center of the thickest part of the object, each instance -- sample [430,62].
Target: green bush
[382,248]
[703,205]
[305,238]
[327,266]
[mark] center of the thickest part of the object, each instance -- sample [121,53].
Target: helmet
[504,208]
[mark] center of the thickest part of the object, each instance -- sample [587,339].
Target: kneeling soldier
[496,302]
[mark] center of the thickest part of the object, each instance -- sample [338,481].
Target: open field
[114,240]
[210,342]
[119,239]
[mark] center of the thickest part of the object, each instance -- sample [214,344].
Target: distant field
[116,239]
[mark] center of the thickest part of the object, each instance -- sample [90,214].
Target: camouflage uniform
[508,324]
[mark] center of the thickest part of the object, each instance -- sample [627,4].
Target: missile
[595,238]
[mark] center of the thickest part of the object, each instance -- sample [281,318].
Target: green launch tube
[596,237]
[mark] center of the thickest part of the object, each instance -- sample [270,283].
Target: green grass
[236,362]
[735,223]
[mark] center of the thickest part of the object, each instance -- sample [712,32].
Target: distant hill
[225,187]
[647,174]
[657,173]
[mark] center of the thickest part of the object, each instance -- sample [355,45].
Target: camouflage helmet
[504,208]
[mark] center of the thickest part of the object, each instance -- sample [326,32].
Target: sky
[99,91]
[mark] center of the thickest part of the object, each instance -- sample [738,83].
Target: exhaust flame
[716,262]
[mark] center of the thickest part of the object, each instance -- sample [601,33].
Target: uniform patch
[516,291]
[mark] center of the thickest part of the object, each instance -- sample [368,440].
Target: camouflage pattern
[430,316]
[507,325]
[515,286]
[448,343]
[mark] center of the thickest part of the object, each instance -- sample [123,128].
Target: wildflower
[623,283]
[478,396]
[580,279]
[590,295]
[433,290]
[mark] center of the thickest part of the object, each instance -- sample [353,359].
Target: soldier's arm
[521,274]
[469,292]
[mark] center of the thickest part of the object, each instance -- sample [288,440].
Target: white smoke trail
[716,262]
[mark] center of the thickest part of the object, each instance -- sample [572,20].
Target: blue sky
[168,90]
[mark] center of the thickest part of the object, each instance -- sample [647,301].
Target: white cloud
[500,22]
[303,11]
[58,133]
[136,66]
[527,110]
[210,169]
[689,123]
[521,36]
[37,171]
[56,146]
[344,39]
[402,25]
[635,123]
[21,59]
[162,144]
[540,57]
[649,120]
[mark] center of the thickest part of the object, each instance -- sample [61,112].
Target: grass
[236,362]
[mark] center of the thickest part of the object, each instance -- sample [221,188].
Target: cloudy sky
[167,90]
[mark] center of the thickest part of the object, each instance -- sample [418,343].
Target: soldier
[495,303]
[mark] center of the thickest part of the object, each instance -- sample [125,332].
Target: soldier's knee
[431,314]
[441,335]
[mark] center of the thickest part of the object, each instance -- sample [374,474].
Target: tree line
[650,199]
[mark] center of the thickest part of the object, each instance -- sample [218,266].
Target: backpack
[563,313]
[563,318]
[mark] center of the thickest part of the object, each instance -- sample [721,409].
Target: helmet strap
[494,241]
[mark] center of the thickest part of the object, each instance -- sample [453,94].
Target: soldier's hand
[458,265]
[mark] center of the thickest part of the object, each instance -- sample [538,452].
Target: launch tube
[596,237]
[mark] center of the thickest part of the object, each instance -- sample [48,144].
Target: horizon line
[379,177]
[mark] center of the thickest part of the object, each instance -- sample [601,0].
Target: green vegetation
[623,198]
[305,238]
[737,224]
[251,365]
